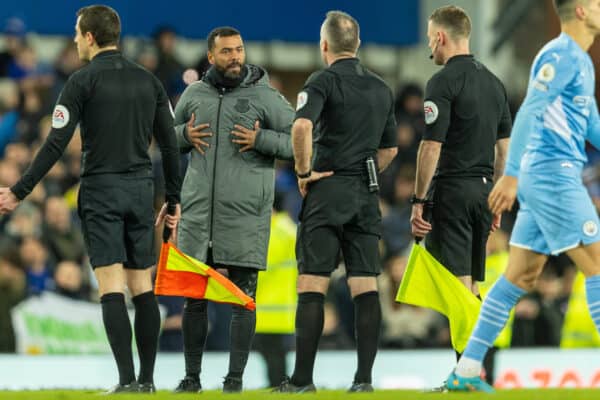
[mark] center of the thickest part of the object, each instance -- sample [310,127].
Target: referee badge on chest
[431,112]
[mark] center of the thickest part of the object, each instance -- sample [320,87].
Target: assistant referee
[466,138]
[467,122]
[353,112]
[119,107]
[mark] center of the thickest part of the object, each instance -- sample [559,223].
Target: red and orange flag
[181,275]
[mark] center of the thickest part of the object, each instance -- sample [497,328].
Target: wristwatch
[305,175]
[415,200]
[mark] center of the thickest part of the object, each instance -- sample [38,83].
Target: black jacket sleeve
[65,117]
[164,133]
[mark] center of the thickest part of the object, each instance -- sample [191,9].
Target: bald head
[341,32]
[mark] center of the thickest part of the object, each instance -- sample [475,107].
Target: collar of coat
[251,75]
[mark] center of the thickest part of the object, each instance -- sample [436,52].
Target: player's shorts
[339,215]
[461,223]
[117,218]
[556,212]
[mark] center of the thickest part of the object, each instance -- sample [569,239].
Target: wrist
[303,175]
[417,200]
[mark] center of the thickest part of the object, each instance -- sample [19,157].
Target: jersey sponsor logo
[431,112]
[546,73]
[302,99]
[590,228]
[60,116]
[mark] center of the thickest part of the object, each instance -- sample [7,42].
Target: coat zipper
[214,180]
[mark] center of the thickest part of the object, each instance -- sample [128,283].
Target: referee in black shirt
[466,139]
[119,106]
[353,111]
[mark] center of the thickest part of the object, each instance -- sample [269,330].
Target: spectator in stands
[14,31]
[63,240]
[37,267]
[169,69]
[9,114]
[68,281]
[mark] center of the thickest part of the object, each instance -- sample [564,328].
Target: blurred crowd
[42,248]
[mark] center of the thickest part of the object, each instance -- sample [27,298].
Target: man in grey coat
[234,125]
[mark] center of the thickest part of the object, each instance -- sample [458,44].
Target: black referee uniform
[353,112]
[466,109]
[119,106]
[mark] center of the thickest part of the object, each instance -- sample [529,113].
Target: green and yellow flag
[427,283]
[181,275]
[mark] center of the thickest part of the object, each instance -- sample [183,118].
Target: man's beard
[229,73]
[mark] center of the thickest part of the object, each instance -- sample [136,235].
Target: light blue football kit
[546,154]
[547,151]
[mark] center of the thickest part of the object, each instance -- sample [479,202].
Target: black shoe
[288,387]
[361,388]
[133,387]
[232,385]
[188,385]
[147,387]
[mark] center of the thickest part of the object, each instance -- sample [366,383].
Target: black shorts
[461,222]
[339,215]
[117,218]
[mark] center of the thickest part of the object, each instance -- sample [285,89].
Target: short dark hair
[342,32]
[102,22]
[222,31]
[454,19]
[566,9]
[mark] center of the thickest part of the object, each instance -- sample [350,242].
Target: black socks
[309,327]
[367,324]
[147,328]
[118,330]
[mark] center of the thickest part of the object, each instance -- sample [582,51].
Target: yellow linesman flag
[181,275]
[427,283]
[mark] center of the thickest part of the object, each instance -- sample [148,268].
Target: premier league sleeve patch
[301,101]
[431,112]
[60,116]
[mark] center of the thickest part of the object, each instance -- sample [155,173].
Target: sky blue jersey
[559,112]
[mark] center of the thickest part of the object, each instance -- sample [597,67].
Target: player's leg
[146,324]
[102,227]
[317,252]
[360,247]
[195,331]
[587,258]
[527,256]
[137,195]
[242,327]
[111,286]
[524,266]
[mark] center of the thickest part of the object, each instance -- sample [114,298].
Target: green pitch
[545,394]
